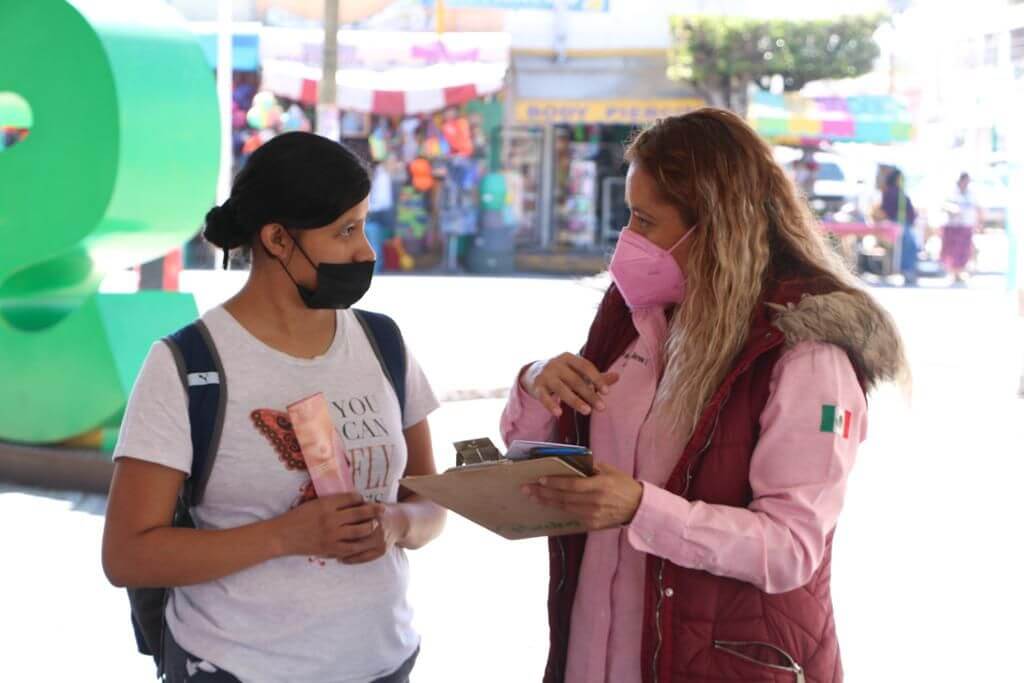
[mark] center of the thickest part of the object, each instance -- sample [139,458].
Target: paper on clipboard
[490,493]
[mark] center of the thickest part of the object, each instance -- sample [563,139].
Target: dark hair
[894,178]
[300,180]
[963,176]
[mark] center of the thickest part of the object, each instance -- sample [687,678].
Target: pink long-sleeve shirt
[798,475]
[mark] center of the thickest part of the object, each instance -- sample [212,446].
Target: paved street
[926,566]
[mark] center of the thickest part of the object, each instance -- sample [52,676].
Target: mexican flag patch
[836,420]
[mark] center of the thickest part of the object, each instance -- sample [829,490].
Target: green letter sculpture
[118,168]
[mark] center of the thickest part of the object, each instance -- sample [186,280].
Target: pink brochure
[322,448]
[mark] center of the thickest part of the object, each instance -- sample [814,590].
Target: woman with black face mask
[276,583]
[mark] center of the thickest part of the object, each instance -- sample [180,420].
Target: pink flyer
[322,448]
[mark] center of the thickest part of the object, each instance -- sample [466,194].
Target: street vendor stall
[816,125]
[394,73]
[421,107]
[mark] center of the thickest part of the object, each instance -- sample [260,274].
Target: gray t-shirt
[294,618]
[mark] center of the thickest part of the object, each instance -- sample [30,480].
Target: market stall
[423,108]
[815,127]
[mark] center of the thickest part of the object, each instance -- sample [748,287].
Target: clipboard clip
[476,452]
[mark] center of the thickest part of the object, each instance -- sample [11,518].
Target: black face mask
[338,285]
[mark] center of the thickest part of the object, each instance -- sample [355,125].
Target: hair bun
[223,230]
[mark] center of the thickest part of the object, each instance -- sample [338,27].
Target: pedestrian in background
[381,219]
[964,218]
[897,207]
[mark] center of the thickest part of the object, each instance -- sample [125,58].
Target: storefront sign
[602,111]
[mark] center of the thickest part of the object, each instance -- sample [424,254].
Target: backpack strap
[202,375]
[389,347]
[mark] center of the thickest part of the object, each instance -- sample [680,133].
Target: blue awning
[245,47]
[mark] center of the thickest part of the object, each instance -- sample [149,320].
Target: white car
[836,186]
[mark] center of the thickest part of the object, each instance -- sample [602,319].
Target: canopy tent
[394,92]
[808,121]
[393,73]
[349,11]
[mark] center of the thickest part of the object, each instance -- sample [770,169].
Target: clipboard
[486,489]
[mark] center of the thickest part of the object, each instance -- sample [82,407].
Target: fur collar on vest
[852,321]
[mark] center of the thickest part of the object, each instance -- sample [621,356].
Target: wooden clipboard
[490,494]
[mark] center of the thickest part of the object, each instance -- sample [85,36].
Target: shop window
[522,152]
[589,184]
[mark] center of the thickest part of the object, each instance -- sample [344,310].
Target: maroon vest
[699,627]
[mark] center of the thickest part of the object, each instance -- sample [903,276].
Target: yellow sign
[602,111]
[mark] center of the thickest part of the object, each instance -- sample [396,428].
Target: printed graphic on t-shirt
[289,602]
[277,427]
[369,444]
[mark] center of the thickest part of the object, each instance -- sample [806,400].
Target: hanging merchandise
[421,175]
[458,135]
[478,135]
[434,144]
[410,142]
[265,111]
[448,205]
[295,119]
[466,175]
[413,219]
[432,165]
[431,147]
[450,130]
[458,200]
[465,137]
[378,141]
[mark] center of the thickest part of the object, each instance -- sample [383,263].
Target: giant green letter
[119,167]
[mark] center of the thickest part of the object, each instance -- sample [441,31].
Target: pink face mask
[646,274]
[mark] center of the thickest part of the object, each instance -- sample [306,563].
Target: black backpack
[202,375]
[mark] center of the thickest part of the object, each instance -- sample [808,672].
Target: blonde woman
[722,390]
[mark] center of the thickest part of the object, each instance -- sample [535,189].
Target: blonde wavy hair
[750,221]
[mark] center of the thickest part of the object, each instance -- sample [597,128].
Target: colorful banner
[878,119]
[628,112]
